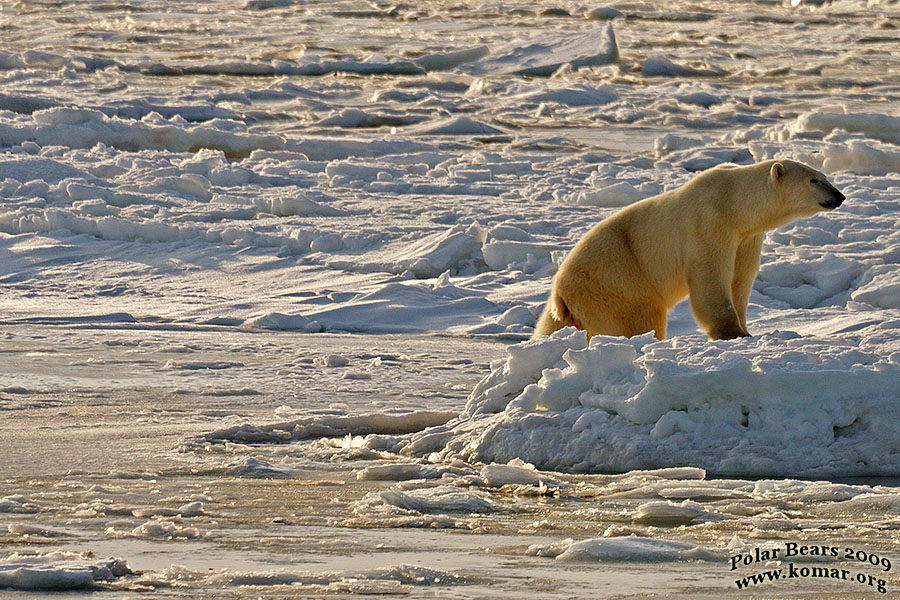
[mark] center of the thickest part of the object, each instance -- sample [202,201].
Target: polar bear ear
[777,171]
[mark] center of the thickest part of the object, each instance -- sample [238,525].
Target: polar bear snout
[837,198]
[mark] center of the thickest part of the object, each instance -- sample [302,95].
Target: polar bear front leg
[709,283]
[746,265]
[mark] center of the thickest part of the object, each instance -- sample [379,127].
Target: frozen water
[262,260]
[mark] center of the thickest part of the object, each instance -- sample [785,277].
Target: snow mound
[575,95]
[777,404]
[386,581]
[85,128]
[625,549]
[885,128]
[660,66]
[58,571]
[408,308]
[880,287]
[542,59]
[330,426]
[458,126]
[441,499]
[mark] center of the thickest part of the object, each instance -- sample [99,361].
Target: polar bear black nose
[837,198]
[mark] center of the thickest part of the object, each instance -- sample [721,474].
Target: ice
[402,472]
[604,12]
[776,404]
[880,287]
[581,95]
[617,194]
[516,473]
[58,571]
[408,308]
[543,58]
[335,426]
[270,270]
[881,127]
[250,466]
[435,254]
[380,581]
[861,156]
[154,529]
[670,514]
[458,126]
[440,499]
[17,503]
[83,128]
[660,66]
[503,253]
[279,322]
[622,549]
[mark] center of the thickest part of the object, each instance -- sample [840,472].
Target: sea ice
[776,404]
[543,58]
[440,499]
[58,571]
[622,549]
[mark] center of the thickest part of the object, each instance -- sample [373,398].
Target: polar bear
[700,240]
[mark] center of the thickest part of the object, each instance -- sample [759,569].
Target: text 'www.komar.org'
[793,572]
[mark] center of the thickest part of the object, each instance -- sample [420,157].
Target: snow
[542,58]
[58,571]
[660,66]
[439,499]
[773,405]
[622,550]
[269,288]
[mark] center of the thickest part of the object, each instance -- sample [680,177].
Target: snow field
[294,184]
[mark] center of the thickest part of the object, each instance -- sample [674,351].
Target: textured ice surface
[621,550]
[777,404]
[58,571]
[210,214]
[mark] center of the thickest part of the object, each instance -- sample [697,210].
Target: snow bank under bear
[779,404]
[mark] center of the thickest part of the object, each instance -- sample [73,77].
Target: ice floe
[58,571]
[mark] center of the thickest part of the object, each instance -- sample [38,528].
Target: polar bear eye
[814,180]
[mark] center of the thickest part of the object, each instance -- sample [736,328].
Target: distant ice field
[272,264]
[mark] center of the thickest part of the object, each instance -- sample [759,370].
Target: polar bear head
[802,190]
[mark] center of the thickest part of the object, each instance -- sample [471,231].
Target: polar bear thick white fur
[700,240]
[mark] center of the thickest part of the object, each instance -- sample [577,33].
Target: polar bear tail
[555,316]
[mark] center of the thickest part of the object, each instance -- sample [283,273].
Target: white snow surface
[189,194]
[622,549]
[774,405]
[58,571]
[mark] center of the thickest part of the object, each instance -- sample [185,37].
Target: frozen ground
[262,260]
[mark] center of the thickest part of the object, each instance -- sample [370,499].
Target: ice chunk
[457,126]
[617,194]
[543,58]
[58,571]
[405,471]
[406,308]
[331,426]
[448,60]
[283,322]
[604,13]
[623,549]
[774,404]
[664,514]
[660,66]
[881,287]
[501,254]
[440,499]
[877,126]
[579,95]
[516,472]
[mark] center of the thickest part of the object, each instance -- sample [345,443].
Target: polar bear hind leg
[584,311]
